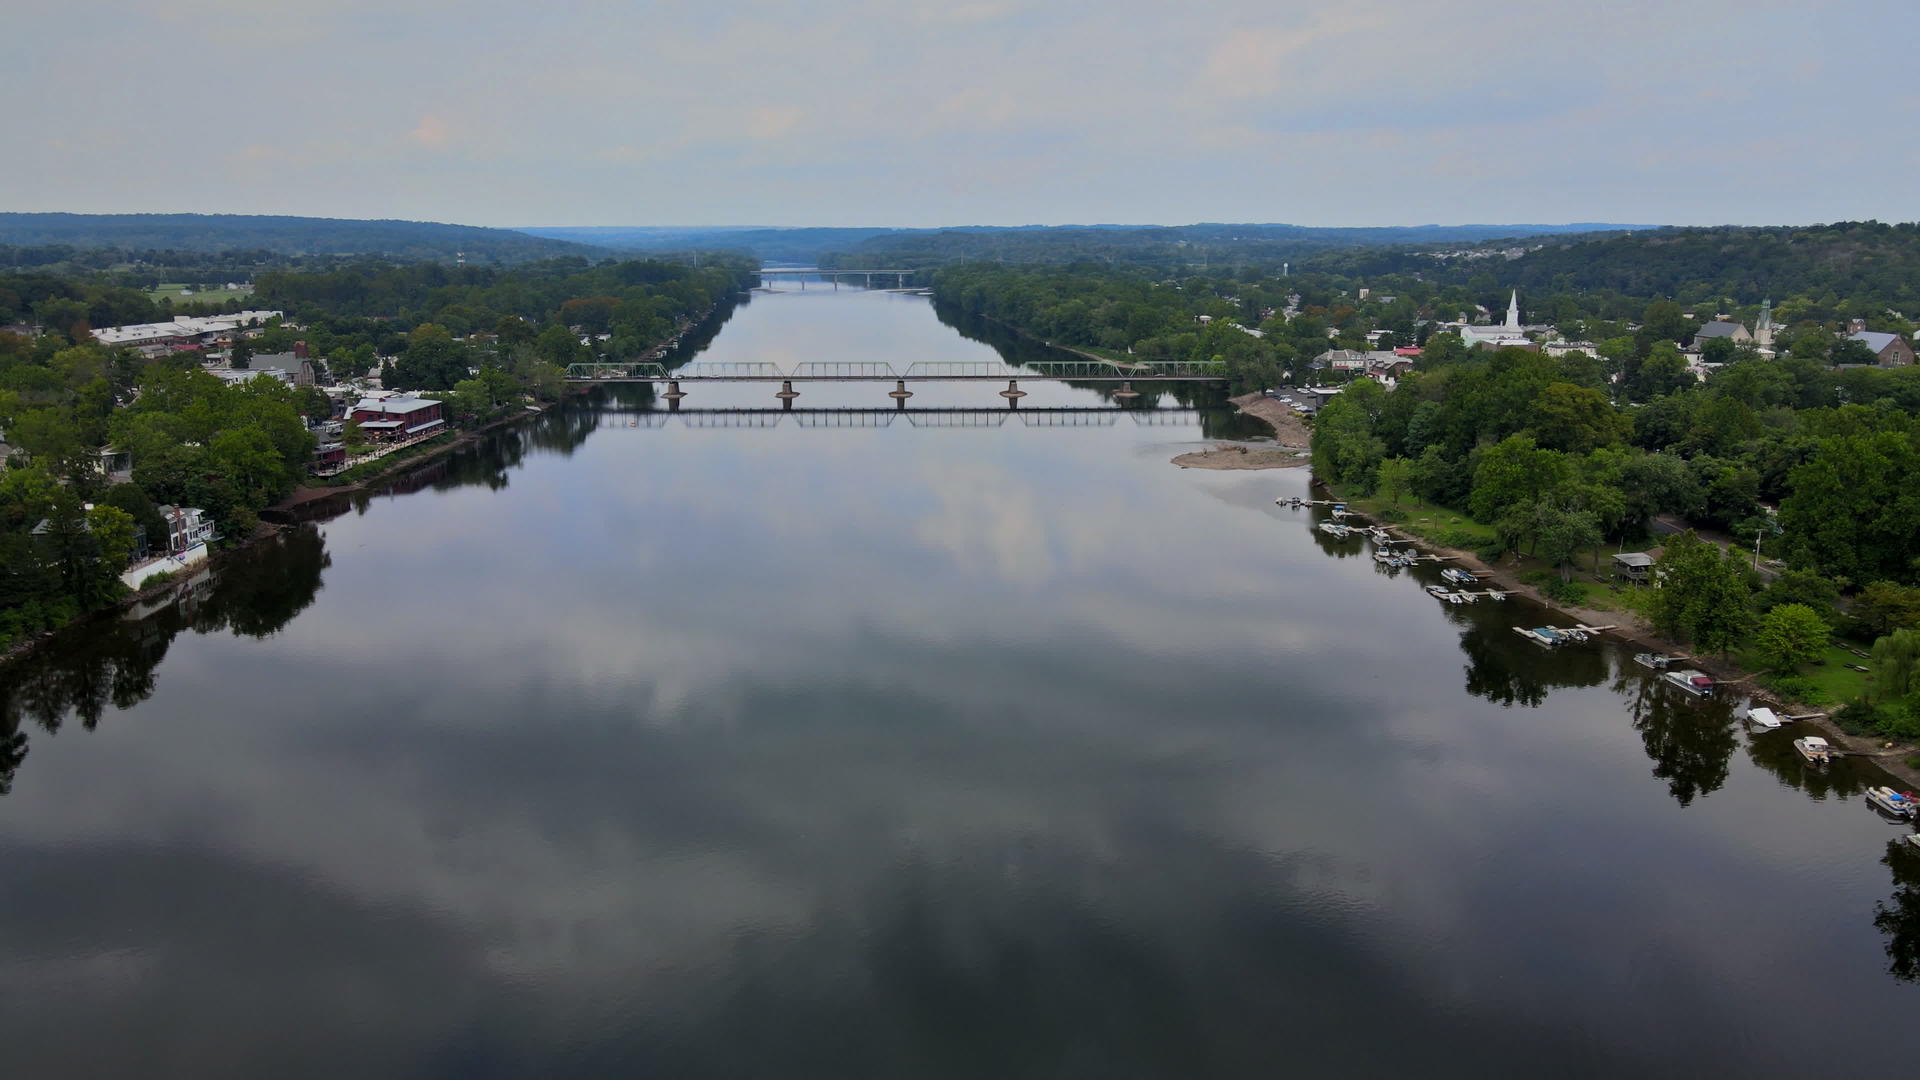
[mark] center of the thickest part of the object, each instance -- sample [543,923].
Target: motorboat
[1814,749]
[1335,529]
[1693,682]
[1437,590]
[1458,576]
[1887,800]
[1763,718]
[1654,660]
[1550,636]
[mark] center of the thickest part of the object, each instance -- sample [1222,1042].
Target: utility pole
[1756,550]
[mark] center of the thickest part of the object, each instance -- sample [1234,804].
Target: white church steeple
[1513,312]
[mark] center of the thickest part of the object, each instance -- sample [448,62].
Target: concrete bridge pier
[1013,391]
[787,393]
[900,393]
[1126,391]
[673,394]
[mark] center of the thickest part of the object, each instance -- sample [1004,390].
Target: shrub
[1796,688]
[1858,718]
[1392,515]
[1565,592]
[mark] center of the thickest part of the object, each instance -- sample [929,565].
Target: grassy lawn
[199,295]
[1439,524]
[1833,678]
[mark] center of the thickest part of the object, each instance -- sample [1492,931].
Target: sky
[862,112]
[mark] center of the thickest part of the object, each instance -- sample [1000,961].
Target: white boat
[1898,804]
[1814,749]
[1457,576]
[1335,529]
[1693,682]
[1763,718]
[1550,636]
[1652,660]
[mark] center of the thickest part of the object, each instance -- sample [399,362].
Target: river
[932,744]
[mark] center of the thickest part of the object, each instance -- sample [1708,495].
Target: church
[1498,337]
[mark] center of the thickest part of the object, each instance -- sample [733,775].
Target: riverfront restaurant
[397,417]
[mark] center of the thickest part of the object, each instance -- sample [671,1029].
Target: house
[1557,349]
[1732,331]
[397,417]
[187,528]
[1889,350]
[1339,360]
[232,376]
[329,456]
[1634,566]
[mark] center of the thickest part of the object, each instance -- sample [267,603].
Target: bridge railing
[1183,367]
[1068,369]
[629,370]
[949,369]
[843,369]
[736,369]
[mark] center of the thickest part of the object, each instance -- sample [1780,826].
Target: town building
[397,417]
[1733,331]
[1889,350]
[184,332]
[1497,337]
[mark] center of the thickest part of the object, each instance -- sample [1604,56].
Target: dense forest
[1166,248]
[133,233]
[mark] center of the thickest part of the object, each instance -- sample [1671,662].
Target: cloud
[430,132]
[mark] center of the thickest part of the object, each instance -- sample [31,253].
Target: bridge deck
[1149,379]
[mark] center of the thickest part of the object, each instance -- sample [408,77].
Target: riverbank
[1628,626]
[300,496]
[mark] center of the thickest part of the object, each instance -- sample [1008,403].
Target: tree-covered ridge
[1163,247]
[281,235]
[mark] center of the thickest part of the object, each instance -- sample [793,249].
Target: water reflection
[1898,917]
[1689,739]
[112,663]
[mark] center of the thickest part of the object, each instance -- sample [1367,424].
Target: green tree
[240,353]
[1896,658]
[1513,471]
[1577,419]
[112,530]
[1395,478]
[1885,607]
[1562,534]
[1790,635]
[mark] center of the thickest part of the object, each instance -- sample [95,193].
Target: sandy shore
[1236,456]
[1289,428]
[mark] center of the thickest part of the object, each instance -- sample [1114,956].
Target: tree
[1577,419]
[1563,534]
[1801,586]
[112,530]
[240,353]
[1897,656]
[1885,607]
[1702,594]
[1395,478]
[1790,635]
[1850,351]
[1510,472]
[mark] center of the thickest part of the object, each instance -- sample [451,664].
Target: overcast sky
[863,112]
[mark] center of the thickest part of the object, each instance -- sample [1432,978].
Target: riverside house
[392,418]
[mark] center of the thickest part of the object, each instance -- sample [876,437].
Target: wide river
[969,744]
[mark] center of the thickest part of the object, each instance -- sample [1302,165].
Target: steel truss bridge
[1087,370]
[1083,416]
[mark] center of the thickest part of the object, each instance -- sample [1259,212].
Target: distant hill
[1044,243]
[1863,260]
[773,245]
[406,240]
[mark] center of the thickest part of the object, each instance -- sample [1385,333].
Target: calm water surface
[941,744]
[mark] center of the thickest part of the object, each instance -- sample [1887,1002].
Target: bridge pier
[900,393]
[787,393]
[1013,391]
[673,394]
[1126,390]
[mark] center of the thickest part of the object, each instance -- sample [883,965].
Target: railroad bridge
[850,371]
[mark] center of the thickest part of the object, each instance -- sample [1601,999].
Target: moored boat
[1550,636]
[1763,718]
[1458,576]
[1693,682]
[1656,661]
[1814,749]
[1887,800]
